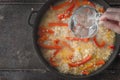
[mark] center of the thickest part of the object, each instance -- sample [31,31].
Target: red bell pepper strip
[73,38]
[111,47]
[88,3]
[71,8]
[41,34]
[61,16]
[67,13]
[85,39]
[100,45]
[45,30]
[41,44]
[67,45]
[52,62]
[64,15]
[60,6]
[78,4]
[42,38]
[56,41]
[56,52]
[85,72]
[53,24]
[102,10]
[100,62]
[78,63]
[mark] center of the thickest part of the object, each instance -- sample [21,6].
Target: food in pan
[67,53]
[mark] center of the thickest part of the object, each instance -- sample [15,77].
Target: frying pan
[35,25]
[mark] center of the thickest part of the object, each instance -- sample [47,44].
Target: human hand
[111,19]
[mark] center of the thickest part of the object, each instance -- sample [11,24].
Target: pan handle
[30,16]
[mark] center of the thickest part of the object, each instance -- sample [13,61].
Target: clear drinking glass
[84,22]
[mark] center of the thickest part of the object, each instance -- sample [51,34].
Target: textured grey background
[18,58]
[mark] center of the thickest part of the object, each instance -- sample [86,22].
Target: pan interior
[41,51]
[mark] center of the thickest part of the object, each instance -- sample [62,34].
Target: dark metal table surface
[18,59]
